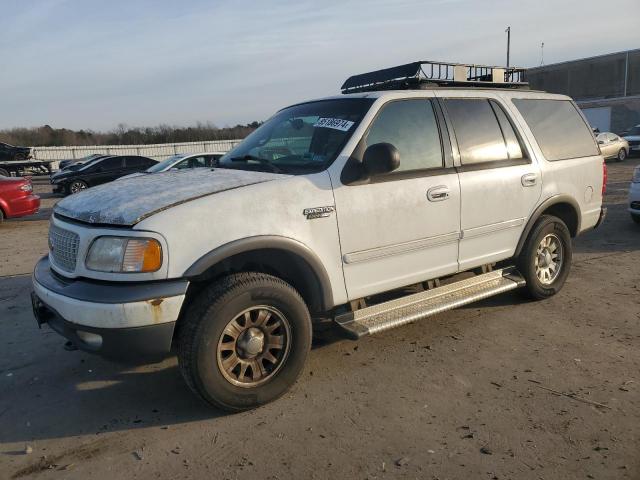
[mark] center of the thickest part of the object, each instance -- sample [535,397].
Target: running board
[401,311]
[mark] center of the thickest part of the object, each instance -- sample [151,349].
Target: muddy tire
[545,260]
[244,341]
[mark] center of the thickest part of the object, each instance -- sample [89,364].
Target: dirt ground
[469,394]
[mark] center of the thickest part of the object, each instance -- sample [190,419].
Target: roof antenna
[542,54]
[508,32]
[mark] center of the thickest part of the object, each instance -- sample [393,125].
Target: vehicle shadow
[110,401]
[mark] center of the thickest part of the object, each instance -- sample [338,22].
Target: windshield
[159,167]
[300,139]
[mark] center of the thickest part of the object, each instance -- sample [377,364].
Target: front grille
[63,246]
[634,143]
[635,205]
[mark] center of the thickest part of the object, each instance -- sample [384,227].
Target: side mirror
[380,158]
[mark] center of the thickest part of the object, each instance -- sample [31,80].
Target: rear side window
[411,127]
[478,126]
[514,148]
[137,162]
[109,164]
[558,128]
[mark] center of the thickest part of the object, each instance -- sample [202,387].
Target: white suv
[327,205]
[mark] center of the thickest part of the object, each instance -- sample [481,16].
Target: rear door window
[110,164]
[137,162]
[559,129]
[478,132]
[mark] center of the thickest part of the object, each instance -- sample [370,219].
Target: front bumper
[129,321]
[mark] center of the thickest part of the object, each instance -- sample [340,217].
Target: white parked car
[326,206]
[613,146]
[182,161]
[634,195]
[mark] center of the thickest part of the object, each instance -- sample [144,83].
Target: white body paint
[381,236]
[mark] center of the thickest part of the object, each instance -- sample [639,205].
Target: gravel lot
[472,393]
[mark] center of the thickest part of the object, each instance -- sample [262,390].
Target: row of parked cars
[77,175]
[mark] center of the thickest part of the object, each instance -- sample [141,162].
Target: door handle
[438,194]
[529,179]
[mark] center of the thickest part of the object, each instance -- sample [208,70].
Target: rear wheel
[77,186]
[1,216]
[545,260]
[622,155]
[635,218]
[244,341]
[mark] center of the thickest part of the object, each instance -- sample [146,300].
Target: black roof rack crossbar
[427,74]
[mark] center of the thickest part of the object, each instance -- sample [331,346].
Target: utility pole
[542,54]
[508,30]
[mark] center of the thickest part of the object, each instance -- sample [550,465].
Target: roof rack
[428,74]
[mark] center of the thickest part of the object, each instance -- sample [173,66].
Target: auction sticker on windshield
[335,123]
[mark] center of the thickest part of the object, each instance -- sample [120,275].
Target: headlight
[124,255]
[636,175]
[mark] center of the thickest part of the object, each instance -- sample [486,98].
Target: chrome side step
[401,311]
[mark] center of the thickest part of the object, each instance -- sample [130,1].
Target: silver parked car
[613,146]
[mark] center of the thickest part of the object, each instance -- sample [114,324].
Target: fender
[272,242]
[549,202]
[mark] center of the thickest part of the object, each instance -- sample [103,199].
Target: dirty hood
[128,201]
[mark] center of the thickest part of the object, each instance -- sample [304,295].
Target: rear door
[500,184]
[403,227]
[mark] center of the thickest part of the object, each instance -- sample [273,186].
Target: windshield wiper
[262,161]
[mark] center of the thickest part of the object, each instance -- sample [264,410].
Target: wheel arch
[562,206]
[283,257]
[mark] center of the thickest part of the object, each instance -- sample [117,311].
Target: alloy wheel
[548,260]
[254,346]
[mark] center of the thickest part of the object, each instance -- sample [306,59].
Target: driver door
[402,227]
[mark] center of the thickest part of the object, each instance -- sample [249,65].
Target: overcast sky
[96,63]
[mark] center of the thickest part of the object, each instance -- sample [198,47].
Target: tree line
[46,136]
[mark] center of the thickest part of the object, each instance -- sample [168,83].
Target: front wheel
[635,218]
[545,260]
[244,341]
[622,155]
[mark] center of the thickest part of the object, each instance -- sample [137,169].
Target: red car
[17,198]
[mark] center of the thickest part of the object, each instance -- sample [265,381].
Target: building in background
[606,87]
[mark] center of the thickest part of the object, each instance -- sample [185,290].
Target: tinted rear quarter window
[558,128]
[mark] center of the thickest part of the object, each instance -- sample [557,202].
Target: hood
[130,200]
